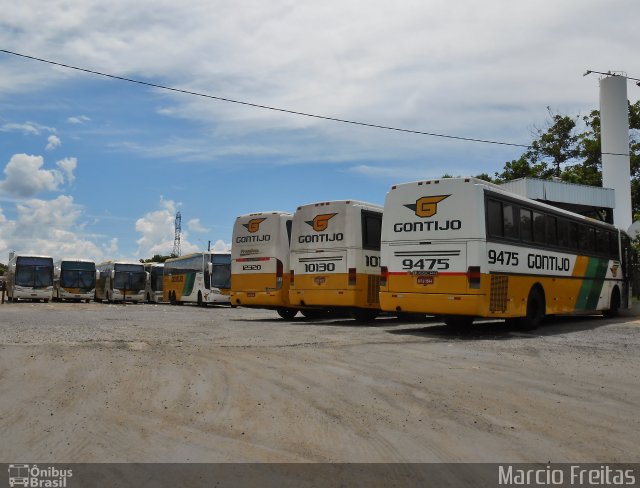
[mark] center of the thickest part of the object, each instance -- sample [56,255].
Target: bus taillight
[279,273]
[384,274]
[292,276]
[473,276]
[352,276]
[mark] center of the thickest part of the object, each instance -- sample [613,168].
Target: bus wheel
[364,315]
[458,321]
[172,298]
[535,311]
[614,304]
[200,302]
[287,313]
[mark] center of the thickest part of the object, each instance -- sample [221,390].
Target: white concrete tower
[616,172]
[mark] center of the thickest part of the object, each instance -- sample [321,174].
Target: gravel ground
[159,383]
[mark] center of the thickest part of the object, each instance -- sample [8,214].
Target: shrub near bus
[465,248]
[260,262]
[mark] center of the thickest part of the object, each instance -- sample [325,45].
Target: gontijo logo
[426,206]
[253,225]
[320,222]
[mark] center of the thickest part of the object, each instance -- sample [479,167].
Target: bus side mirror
[147,275]
[97,275]
[113,274]
[210,268]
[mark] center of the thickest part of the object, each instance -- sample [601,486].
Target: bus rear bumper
[266,299]
[331,298]
[434,303]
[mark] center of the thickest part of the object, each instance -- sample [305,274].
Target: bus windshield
[129,280]
[36,276]
[77,278]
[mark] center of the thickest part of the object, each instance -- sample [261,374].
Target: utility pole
[178,230]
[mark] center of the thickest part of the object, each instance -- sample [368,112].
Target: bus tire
[200,302]
[459,322]
[364,315]
[614,304]
[287,313]
[535,310]
[172,298]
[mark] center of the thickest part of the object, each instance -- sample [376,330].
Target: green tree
[158,258]
[572,152]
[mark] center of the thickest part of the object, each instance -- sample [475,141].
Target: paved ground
[151,383]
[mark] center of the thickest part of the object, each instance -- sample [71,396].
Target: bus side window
[586,238]
[526,223]
[288,225]
[602,241]
[552,230]
[371,230]
[573,235]
[509,221]
[613,245]
[539,232]
[494,218]
[563,233]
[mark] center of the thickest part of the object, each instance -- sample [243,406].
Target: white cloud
[79,119]
[27,128]
[49,227]
[53,142]
[25,176]
[158,232]
[68,165]
[195,226]
[221,246]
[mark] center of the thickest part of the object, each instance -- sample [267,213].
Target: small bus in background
[29,277]
[221,273]
[463,248]
[335,258]
[120,281]
[153,290]
[200,277]
[260,262]
[74,279]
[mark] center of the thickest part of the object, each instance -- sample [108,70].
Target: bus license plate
[425,280]
[251,294]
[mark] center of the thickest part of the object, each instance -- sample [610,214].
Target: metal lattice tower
[176,239]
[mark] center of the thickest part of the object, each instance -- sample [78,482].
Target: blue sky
[94,167]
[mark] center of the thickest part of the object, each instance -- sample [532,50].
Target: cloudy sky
[95,167]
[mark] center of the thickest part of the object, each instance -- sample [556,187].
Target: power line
[609,73]
[276,109]
[265,107]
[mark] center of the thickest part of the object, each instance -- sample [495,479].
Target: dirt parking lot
[153,383]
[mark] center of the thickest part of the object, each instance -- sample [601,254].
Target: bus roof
[508,194]
[355,203]
[271,212]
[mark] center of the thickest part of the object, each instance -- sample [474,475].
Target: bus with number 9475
[463,248]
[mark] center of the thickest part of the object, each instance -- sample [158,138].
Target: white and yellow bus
[153,290]
[335,257]
[29,277]
[200,277]
[120,281]
[463,248]
[260,262]
[74,279]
